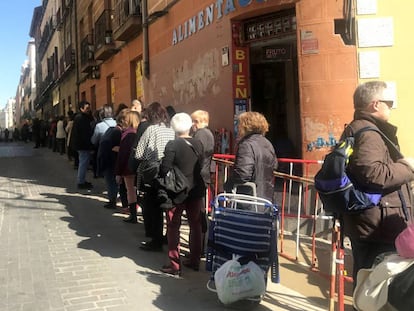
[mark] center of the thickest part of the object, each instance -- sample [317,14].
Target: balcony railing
[46,84]
[67,61]
[103,29]
[127,22]
[87,58]
[104,43]
[59,20]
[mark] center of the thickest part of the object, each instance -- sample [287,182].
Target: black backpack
[336,190]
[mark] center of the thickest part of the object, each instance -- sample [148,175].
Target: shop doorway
[274,92]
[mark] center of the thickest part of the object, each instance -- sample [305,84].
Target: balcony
[67,61]
[87,58]
[104,43]
[46,84]
[66,6]
[59,20]
[127,22]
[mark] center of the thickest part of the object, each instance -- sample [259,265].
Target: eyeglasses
[389,103]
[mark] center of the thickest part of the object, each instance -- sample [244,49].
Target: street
[61,250]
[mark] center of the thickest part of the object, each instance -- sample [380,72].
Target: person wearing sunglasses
[377,166]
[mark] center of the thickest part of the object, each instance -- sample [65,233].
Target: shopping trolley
[243,226]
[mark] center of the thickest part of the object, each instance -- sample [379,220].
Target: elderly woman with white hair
[184,152]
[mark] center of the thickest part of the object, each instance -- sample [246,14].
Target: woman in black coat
[255,157]
[184,152]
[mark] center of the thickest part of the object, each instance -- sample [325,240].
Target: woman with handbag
[184,153]
[149,151]
[129,123]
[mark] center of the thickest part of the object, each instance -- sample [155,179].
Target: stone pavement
[61,250]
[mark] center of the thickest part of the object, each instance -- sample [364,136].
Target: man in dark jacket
[377,166]
[81,140]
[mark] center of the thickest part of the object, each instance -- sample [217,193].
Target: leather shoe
[110,205]
[151,246]
[131,220]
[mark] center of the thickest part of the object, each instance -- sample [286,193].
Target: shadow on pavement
[102,231]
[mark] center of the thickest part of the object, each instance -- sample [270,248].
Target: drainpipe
[77,51]
[145,52]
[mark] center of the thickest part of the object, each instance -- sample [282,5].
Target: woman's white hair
[181,123]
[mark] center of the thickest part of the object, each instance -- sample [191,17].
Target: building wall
[189,73]
[68,76]
[118,67]
[394,65]
[195,78]
[327,77]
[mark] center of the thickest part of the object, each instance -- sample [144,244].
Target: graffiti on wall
[320,143]
[316,129]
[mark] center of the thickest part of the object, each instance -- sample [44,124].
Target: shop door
[274,92]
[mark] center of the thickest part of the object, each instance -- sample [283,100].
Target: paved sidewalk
[61,250]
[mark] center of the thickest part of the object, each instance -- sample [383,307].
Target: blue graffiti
[322,143]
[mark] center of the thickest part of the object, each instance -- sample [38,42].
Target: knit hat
[404,243]
[181,122]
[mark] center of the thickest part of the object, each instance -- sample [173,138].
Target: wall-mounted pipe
[145,52]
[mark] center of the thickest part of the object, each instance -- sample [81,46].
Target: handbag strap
[192,147]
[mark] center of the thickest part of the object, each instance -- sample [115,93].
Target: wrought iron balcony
[127,22]
[104,43]
[59,20]
[87,58]
[67,61]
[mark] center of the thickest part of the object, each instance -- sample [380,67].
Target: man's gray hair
[367,92]
[107,111]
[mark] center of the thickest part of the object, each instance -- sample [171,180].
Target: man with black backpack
[376,166]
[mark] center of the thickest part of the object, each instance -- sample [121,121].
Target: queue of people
[139,144]
[134,147]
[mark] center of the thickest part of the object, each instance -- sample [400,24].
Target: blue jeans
[84,159]
[111,184]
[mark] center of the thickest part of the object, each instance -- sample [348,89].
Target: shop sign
[278,52]
[240,57]
[202,19]
[240,73]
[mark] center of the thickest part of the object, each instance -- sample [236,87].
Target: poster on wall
[240,106]
[308,42]
[139,80]
[375,32]
[365,7]
[369,64]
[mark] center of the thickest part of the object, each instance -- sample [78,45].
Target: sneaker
[85,185]
[131,220]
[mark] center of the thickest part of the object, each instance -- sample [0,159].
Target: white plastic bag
[235,281]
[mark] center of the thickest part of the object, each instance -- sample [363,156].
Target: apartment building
[296,61]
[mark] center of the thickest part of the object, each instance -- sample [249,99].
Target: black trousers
[153,215]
